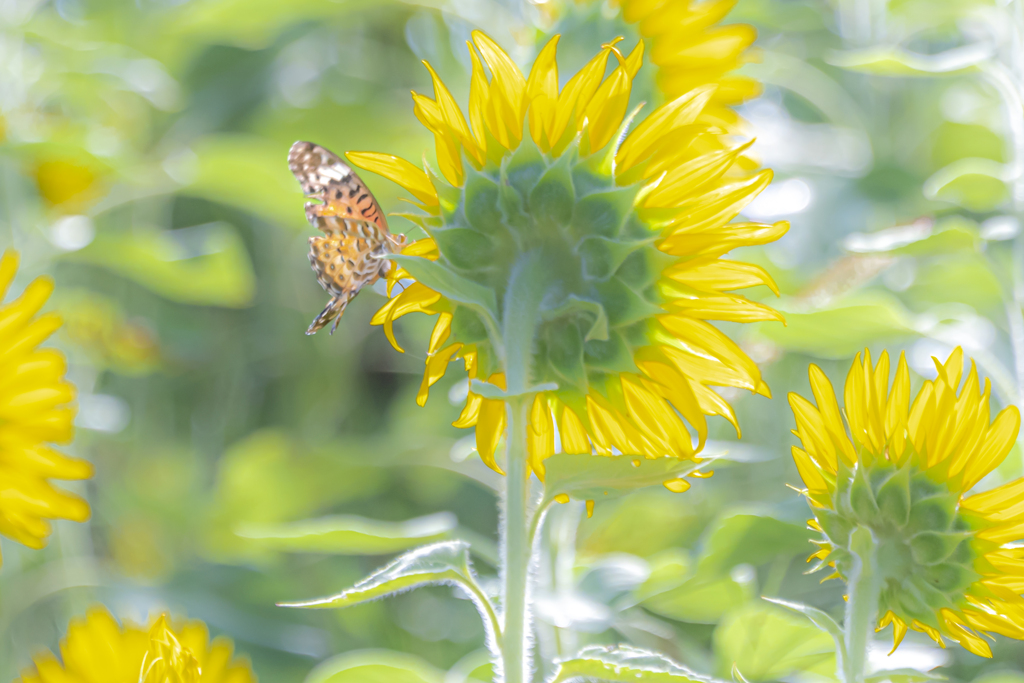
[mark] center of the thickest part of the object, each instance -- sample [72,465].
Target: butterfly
[351,254]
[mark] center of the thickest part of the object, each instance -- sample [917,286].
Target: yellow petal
[436,364]
[715,275]
[996,446]
[452,116]
[397,170]
[542,94]
[442,328]
[8,269]
[540,443]
[479,99]
[572,432]
[647,136]
[575,96]
[507,83]
[489,428]
[825,397]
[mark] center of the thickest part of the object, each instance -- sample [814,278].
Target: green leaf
[955,236]
[888,61]
[599,477]
[698,599]
[265,480]
[374,666]
[766,644]
[451,285]
[573,305]
[206,265]
[623,663]
[962,278]
[444,563]
[843,329]
[914,676]
[350,534]
[820,619]
[751,539]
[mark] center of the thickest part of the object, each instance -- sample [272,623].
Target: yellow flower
[99,650]
[34,412]
[630,230]
[947,558]
[691,50]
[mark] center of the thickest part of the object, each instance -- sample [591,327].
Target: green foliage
[623,664]
[766,643]
[441,563]
[350,535]
[375,666]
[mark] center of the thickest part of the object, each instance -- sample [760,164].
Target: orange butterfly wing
[351,254]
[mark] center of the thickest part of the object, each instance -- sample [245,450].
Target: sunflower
[34,412]
[905,470]
[615,240]
[99,650]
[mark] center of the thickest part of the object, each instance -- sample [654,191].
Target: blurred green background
[142,165]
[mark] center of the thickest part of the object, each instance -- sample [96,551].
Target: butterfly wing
[351,254]
[344,264]
[344,200]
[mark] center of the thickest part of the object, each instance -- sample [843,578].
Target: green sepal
[552,198]
[862,498]
[561,346]
[934,513]
[893,497]
[467,326]
[575,306]
[524,167]
[464,248]
[623,305]
[610,355]
[642,269]
[933,547]
[602,256]
[948,579]
[603,213]
[480,203]
[836,527]
[516,220]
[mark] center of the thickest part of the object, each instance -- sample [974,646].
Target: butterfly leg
[335,307]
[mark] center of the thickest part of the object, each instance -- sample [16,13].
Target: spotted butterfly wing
[350,255]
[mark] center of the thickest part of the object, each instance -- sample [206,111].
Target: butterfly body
[351,254]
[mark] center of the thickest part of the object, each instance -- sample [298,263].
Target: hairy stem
[520,318]
[516,551]
[864,588]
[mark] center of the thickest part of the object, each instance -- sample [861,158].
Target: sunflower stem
[516,551]
[521,317]
[864,588]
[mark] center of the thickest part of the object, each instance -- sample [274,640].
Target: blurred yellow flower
[67,185]
[34,412]
[949,561]
[99,650]
[691,50]
[631,230]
